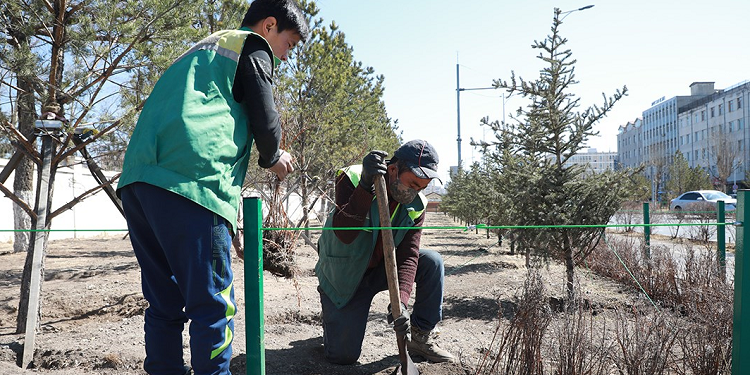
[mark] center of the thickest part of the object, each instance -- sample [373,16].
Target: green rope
[484,226]
[63,230]
[464,228]
[629,272]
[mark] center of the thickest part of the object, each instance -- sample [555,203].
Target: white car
[694,199]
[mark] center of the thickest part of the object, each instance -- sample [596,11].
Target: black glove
[401,324]
[373,165]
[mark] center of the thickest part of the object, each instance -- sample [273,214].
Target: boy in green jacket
[182,176]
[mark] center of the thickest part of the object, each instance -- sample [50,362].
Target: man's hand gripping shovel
[389,249]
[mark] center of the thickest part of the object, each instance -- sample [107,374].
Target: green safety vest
[192,138]
[341,266]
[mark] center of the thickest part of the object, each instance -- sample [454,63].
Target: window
[740,122]
[729,106]
[739,102]
[729,126]
[712,112]
[695,155]
[703,115]
[720,112]
[690,197]
[740,145]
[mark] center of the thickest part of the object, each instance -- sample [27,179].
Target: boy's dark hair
[287,14]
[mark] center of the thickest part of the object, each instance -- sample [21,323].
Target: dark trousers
[184,251]
[344,328]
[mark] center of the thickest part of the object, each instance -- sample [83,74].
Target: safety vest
[192,138]
[341,266]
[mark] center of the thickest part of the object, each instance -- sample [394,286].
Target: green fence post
[721,242]
[254,319]
[647,229]
[741,329]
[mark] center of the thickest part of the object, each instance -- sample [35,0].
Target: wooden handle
[389,249]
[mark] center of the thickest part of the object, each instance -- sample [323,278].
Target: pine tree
[534,153]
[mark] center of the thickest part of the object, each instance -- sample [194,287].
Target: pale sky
[655,48]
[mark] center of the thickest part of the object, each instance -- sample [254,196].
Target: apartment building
[715,128]
[703,126]
[594,161]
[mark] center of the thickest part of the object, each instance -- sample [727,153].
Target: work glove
[401,323]
[373,165]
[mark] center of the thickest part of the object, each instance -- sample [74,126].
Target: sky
[656,48]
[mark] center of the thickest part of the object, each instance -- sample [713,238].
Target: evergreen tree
[533,154]
[73,60]
[332,108]
[684,178]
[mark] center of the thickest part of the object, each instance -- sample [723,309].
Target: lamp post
[566,13]
[459,89]
[458,108]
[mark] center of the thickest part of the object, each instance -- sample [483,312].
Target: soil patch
[92,309]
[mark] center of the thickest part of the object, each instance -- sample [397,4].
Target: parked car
[692,200]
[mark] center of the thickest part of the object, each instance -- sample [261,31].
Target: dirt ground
[92,309]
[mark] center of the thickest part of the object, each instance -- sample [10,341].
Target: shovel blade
[409,369]
[407,366]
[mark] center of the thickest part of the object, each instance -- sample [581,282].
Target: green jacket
[341,266]
[192,138]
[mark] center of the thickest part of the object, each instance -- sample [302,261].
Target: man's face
[404,187]
[282,42]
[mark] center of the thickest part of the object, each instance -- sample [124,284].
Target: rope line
[464,228]
[629,272]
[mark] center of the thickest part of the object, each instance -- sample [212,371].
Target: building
[694,125]
[630,144]
[713,131]
[433,201]
[594,161]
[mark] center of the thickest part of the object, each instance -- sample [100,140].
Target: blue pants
[184,251]
[344,328]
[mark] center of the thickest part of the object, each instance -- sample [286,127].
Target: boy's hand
[237,243]
[283,166]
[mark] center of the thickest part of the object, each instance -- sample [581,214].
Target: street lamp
[458,108]
[566,13]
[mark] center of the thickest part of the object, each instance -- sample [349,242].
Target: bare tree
[725,157]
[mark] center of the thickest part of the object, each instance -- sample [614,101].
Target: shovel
[389,254]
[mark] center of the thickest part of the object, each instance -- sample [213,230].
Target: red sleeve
[352,206]
[407,258]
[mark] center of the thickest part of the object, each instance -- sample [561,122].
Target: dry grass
[683,327]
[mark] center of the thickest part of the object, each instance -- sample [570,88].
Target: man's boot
[422,345]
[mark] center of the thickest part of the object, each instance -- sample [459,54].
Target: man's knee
[431,259]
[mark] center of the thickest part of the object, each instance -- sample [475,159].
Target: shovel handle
[391,272]
[389,249]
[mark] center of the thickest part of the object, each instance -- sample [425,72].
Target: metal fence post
[721,242]
[741,326]
[254,320]
[647,229]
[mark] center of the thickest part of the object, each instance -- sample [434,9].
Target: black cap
[421,158]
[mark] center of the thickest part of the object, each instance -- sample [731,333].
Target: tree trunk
[24,172]
[569,268]
[23,304]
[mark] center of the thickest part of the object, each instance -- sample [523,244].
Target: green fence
[254,319]
[253,270]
